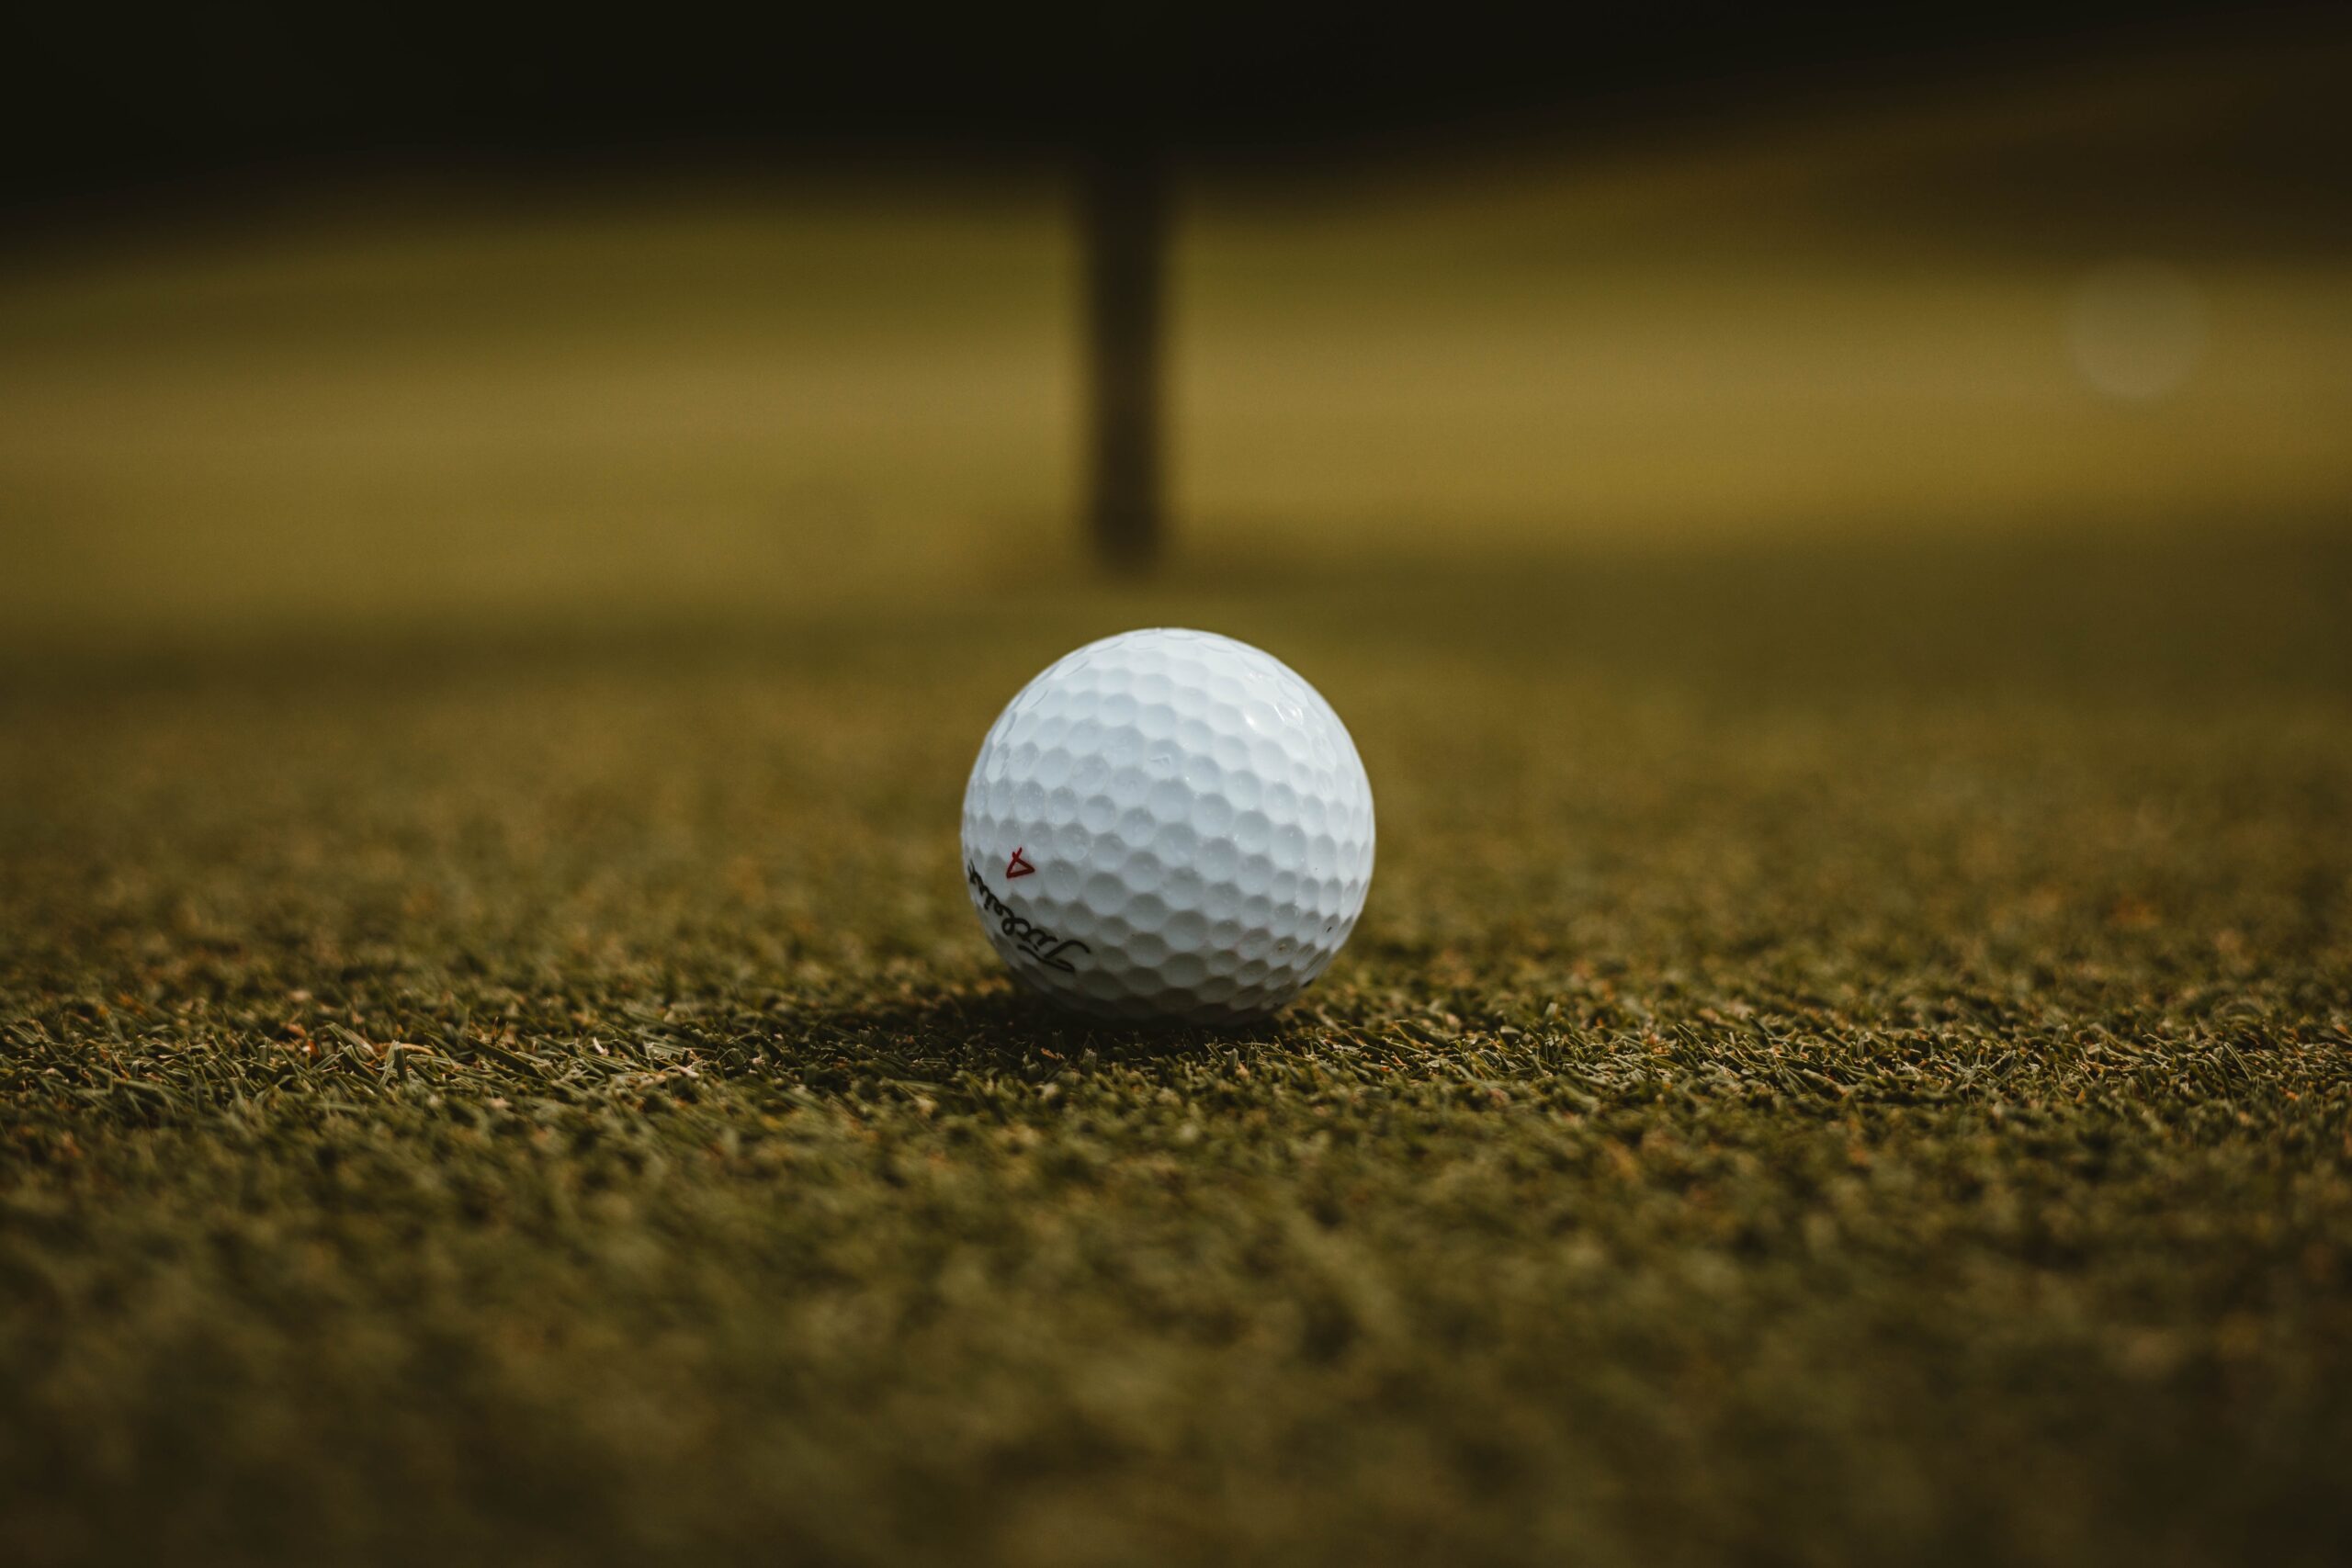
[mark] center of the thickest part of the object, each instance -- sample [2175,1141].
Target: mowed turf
[1847,1058]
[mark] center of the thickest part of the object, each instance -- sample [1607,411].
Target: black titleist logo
[1035,941]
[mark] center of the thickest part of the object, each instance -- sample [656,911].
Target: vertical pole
[1125,218]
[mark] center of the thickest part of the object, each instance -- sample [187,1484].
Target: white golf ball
[1167,824]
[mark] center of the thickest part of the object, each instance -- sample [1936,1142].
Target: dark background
[104,104]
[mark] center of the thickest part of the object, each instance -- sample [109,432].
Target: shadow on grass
[2064,609]
[1006,1029]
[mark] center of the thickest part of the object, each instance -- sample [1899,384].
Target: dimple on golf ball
[1168,825]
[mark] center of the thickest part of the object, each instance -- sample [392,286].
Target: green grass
[1848,1058]
[498,403]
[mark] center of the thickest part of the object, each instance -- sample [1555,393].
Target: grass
[512,402]
[1849,1058]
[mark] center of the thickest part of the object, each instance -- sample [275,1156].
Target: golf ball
[1167,824]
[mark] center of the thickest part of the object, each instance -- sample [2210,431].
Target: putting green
[1847,1056]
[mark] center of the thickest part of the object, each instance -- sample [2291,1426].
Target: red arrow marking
[1017,866]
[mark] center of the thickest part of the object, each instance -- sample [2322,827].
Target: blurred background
[394,319]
